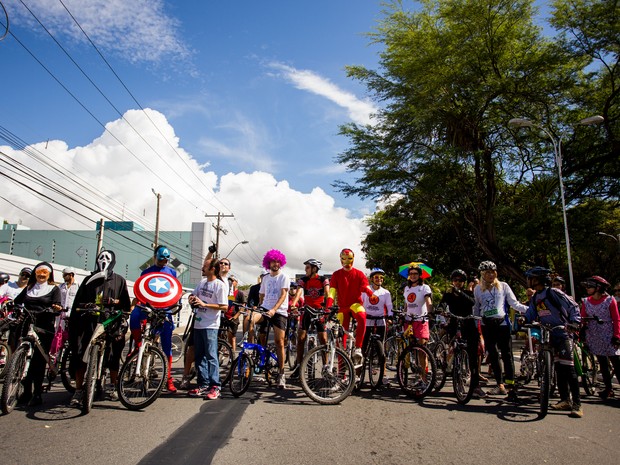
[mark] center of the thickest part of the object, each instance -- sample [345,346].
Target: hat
[26,269]
[68,270]
[232,278]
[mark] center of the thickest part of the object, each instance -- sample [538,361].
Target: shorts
[277,321]
[318,324]
[231,325]
[420,329]
[562,350]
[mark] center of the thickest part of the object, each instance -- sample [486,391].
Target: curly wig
[273,255]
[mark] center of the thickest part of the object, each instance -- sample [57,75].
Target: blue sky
[244,102]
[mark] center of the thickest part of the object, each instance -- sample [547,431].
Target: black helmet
[487,265]
[4,277]
[313,262]
[458,273]
[542,274]
[559,279]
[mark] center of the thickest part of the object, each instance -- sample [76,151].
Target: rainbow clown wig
[274,255]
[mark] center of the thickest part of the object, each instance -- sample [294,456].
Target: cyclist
[12,289]
[558,282]
[379,304]
[603,339]
[108,291]
[492,300]
[209,300]
[161,257]
[313,287]
[231,318]
[273,296]
[553,307]
[346,287]
[68,290]
[460,301]
[40,293]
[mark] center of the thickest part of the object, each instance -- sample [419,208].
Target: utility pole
[100,237]
[156,240]
[219,216]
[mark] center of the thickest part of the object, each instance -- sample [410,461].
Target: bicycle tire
[527,367]
[462,382]
[589,370]
[177,348]
[139,387]
[5,357]
[241,374]
[65,376]
[376,364]
[545,383]
[291,349]
[327,383]
[12,387]
[440,353]
[412,377]
[392,348]
[225,359]
[90,379]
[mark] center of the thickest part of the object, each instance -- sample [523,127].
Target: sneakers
[295,373]
[562,405]
[358,357]
[479,393]
[512,396]
[184,386]
[113,395]
[214,393]
[498,391]
[77,398]
[483,379]
[170,386]
[576,411]
[606,394]
[281,384]
[199,392]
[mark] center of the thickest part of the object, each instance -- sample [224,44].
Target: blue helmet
[162,253]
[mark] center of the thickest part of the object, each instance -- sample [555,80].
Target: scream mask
[346,258]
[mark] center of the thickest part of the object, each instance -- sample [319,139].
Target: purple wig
[274,255]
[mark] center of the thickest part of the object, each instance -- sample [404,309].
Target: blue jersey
[160,269]
[554,308]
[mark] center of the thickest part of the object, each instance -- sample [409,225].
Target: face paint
[42,274]
[103,260]
[346,258]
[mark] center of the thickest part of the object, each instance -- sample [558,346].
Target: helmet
[26,269]
[68,270]
[162,253]
[4,277]
[458,273]
[313,262]
[540,273]
[375,271]
[559,279]
[597,282]
[293,285]
[487,265]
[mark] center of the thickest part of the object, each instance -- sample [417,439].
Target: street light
[156,240]
[557,149]
[241,242]
[617,239]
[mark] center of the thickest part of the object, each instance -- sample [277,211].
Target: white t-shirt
[415,299]
[10,290]
[379,304]
[271,287]
[491,303]
[210,292]
[67,295]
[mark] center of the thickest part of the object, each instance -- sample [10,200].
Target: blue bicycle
[252,359]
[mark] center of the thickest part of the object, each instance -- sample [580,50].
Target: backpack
[566,313]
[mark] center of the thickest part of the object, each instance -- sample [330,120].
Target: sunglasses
[25,275]
[460,280]
[225,263]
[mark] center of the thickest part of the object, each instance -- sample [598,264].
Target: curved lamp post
[241,242]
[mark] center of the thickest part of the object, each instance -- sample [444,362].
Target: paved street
[267,426]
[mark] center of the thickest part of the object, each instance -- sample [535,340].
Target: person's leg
[211,356]
[200,355]
[490,341]
[166,345]
[504,343]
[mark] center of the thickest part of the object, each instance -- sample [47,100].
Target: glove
[212,248]
[330,302]
[521,320]
[615,341]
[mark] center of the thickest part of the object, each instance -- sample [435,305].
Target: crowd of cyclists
[215,304]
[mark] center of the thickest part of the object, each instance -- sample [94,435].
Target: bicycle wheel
[90,379]
[327,379]
[241,374]
[376,364]
[545,383]
[5,356]
[225,358]
[140,386]
[589,369]
[177,347]
[12,387]
[392,348]
[527,367]
[291,348]
[462,381]
[416,371]
[441,363]
[65,376]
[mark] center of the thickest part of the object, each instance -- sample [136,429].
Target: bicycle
[96,353]
[19,363]
[252,359]
[544,364]
[327,373]
[290,340]
[374,355]
[395,342]
[463,384]
[416,369]
[586,364]
[145,371]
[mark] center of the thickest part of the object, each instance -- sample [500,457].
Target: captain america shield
[161,290]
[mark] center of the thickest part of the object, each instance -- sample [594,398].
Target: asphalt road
[267,426]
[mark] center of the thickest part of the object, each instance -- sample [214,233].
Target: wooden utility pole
[219,216]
